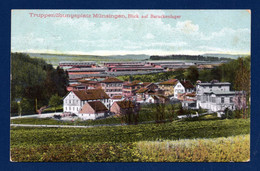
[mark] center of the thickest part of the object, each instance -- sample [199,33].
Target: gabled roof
[91,94]
[169,82]
[142,90]
[146,83]
[135,82]
[125,104]
[186,84]
[97,106]
[117,97]
[111,80]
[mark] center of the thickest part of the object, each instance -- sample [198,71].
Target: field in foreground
[150,142]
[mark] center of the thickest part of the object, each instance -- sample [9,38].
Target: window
[222,99]
[231,99]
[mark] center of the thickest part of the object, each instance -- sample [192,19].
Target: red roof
[187,84]
[91,94]
[142,90]
[117,97]
[111,80]
[97,106]
[169,82]
[125,104]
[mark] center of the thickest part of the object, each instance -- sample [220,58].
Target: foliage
[228,114]
[55,101]
[33,78]
[230,149]
[192,74]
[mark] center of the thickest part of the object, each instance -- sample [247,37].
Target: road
[92,126]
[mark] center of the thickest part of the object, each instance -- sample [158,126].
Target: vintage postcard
[130,86]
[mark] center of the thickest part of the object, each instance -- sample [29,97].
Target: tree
[55,101]
[173,114]
[181,111]
[26,106]
[242,82]
[192,74]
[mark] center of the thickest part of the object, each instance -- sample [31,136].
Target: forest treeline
[189,57]
[34,82]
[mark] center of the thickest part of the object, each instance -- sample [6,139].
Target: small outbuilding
[92,110]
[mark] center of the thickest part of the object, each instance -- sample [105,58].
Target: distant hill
[54,59]
[189,57]
[223,55]
[130,56]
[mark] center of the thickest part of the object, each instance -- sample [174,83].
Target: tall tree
[242,81]
[192,74]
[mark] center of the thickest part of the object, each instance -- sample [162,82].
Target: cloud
[149,36]
[187,27]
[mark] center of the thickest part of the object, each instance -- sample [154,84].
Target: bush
[57,117]
[228,114]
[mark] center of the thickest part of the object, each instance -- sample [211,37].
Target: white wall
[86,116]
[71,103]
[202,89]
[178,89]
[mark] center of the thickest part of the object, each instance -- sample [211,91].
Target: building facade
[215,96]
[168,86]
[183,87]
[74,100]
[112,86]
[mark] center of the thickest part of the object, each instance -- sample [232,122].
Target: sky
[191,32]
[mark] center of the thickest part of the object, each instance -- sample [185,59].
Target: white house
[75,100]
[215,96]
[183,87]
[218,100]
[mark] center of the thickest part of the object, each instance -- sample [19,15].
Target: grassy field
[133,143]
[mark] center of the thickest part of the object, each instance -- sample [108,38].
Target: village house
[74,100]
[215,96]
[112,86]
[143,94]
[188,100]
[92,110]
[183,87]
[129,88]
[120,107]
[168,86]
